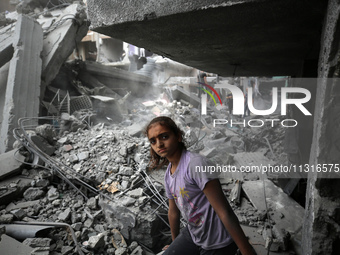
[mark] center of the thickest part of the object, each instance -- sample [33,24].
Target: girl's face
[163,141]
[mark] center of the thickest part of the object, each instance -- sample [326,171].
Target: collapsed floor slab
[288,214]
[115,78]
[61,40]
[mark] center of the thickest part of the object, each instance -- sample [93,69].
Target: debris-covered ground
[96,180]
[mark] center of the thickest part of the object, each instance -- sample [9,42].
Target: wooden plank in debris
[285,211]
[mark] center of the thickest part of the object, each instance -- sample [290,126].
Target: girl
[212,228]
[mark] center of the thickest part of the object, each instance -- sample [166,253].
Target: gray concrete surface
[252,37]
[23,84]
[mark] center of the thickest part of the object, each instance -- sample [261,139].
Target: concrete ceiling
[242,38]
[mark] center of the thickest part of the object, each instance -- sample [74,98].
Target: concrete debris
[24,76]
[94,151]
[33,194]
[111,159]
[97,241]
[37,242]
[61,40]
[6,218]
[34,50]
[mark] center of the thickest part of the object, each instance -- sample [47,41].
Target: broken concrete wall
[3,83]
[60,42]
[116,79]
[322,220]
[23,84]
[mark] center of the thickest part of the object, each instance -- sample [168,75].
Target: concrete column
[23,83]
[321,230]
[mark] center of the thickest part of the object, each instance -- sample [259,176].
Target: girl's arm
[215,195]
[174,217]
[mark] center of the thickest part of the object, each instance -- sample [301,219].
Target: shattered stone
[125,170]
[124,184]
[83,155]
[142,200]
[33,194]
[97,241]
[53,194]
[123,152]
[66,250]
[42,144]
[42,183]
[99,228]
[19,214]
[41,251]
[128,201]
[67,147]
[73,158]
[37,242]
[77,226]
[121,251]
[47,131]
[92,203]
[88,223]
[56,202]
[6,218]
[111,251]
[103,158]
[63,140]
[65,215]
[133,246]
[77,167]
[137,251]
[136,193]
[75,217]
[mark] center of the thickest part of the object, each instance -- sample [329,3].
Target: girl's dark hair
[157,161]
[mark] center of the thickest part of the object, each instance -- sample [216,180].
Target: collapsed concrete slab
[118,78]
[178,93]
[288,214]
[23,84]
[14,187]
[61,40]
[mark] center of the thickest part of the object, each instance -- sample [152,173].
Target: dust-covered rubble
[124,201]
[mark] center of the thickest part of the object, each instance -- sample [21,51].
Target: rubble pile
[124,200]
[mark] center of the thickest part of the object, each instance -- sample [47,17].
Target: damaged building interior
[80,80]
